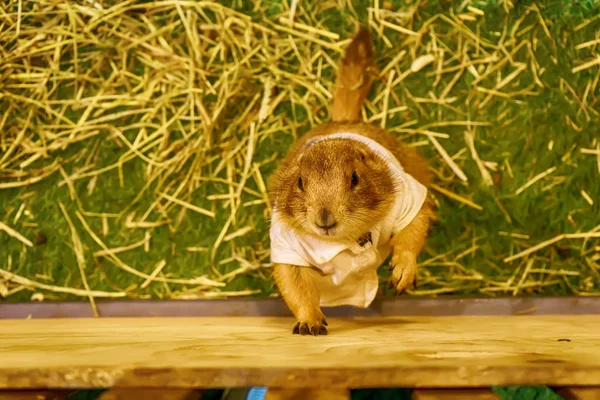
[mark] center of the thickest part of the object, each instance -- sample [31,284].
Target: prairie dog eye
[300,185]
[353,180]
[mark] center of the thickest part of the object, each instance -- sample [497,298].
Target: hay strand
[11,232]
[78,249]
[59,289]
[165,120]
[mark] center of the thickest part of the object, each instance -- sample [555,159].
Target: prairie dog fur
[336,190]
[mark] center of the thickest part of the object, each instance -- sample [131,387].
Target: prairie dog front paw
[405,270]
[311,321]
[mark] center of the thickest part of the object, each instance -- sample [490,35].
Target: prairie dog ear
[300,153]
[365,156]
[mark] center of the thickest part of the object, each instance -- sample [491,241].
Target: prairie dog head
[335,189]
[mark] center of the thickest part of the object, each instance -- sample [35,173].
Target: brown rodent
[329,189]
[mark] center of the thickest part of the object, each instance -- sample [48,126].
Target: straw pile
[136,139]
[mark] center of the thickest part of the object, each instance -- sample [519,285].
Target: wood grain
[307,394]
[572,393]
[454,394]
[430,352]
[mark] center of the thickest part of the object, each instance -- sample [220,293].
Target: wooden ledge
[431,352]
[381,307]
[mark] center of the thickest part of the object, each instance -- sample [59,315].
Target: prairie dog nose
[325,219]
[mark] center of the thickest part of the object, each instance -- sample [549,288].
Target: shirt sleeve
[413,197]
[284,250]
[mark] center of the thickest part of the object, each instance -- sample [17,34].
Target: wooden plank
[154,394]
[433,352]
[34,394]
[305,394]
[454,394]
[381,307]
[579,393]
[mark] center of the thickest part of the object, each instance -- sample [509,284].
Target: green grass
[537,119]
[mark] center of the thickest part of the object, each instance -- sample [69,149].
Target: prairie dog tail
[354,81]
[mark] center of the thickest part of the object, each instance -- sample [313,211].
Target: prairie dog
[347,195]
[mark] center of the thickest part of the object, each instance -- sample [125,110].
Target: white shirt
[348,271]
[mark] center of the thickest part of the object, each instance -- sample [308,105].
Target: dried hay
[190,104]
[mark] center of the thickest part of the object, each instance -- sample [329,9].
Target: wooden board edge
[443,377]
[41,394]
[382,307]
